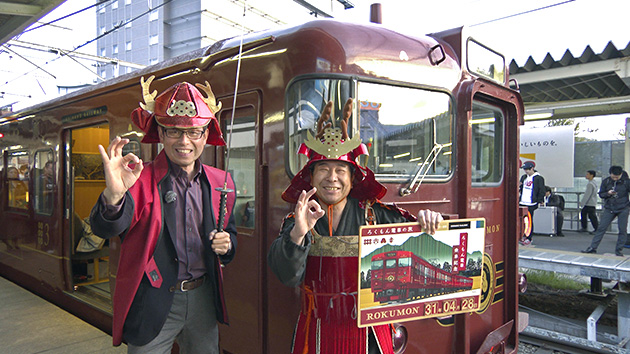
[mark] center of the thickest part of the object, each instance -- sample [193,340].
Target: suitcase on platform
[545,220]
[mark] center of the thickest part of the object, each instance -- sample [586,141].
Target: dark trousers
[590,212]
[191,321]
[622,223]
[559,222]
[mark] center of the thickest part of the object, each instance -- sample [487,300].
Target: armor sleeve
[286,259]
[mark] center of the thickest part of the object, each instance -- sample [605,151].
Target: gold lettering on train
[98,111]
[382,315]
[493,228]
[43,234]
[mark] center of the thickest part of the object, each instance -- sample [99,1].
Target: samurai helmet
[334,144]
[180,106]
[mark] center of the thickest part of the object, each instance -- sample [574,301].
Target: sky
[20,78]
[518,29]
[514,27]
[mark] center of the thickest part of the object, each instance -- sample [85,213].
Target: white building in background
[82,43]
[146,32]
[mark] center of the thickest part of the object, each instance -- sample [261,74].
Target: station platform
[574,241]
[562,255]
[30,324]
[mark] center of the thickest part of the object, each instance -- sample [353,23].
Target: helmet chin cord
[330,216]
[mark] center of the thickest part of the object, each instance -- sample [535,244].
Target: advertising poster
[551,149]
[406,274]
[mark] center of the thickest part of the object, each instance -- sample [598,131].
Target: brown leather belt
[187,285]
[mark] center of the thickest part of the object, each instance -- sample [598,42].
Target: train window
[390,263]
[376,265]
[407,130]
[487,144]
[404,262]
[306,99]
[44,181]
[484,61]
[242,162]
[17,179]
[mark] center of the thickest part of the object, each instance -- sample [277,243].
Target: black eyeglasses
[192,134]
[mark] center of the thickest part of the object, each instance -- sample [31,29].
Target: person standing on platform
[614,191]
[556,200]
[589,202]
[169,280]
[532,193]
[317,247]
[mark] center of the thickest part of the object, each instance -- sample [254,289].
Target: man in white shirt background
[532,193]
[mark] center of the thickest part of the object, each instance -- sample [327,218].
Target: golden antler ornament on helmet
[211,101]
[149,98]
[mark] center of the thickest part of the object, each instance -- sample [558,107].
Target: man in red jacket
[168,285]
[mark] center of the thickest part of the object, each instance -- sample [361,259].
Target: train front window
[487,144]
[390,263]
[404,262]
[405,129]
[377,265]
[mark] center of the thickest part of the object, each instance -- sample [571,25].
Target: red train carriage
[402,276]
[434,109]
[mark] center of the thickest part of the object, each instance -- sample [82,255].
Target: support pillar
[623,316]
[626,149]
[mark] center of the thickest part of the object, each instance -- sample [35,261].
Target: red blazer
[142,303]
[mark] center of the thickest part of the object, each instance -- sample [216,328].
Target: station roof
[576,86]
[17,15]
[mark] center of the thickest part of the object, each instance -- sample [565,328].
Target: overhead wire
[115,28]
[522,13]
[67,16]
[124,23]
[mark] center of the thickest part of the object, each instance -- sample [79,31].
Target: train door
[87,254]
[242,277]
[491,194]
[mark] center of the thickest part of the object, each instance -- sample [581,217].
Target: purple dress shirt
[188,221]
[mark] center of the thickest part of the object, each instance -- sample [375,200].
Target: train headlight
[400,338]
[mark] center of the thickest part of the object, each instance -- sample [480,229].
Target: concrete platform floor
[30,324]
[574,241]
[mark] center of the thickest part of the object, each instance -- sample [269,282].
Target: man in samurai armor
[317,248]
[169,280]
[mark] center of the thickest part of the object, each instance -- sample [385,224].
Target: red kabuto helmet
[334,144]
[181,106]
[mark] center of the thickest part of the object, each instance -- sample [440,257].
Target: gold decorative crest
[331,145]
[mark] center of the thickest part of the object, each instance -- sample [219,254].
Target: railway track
[539,341]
